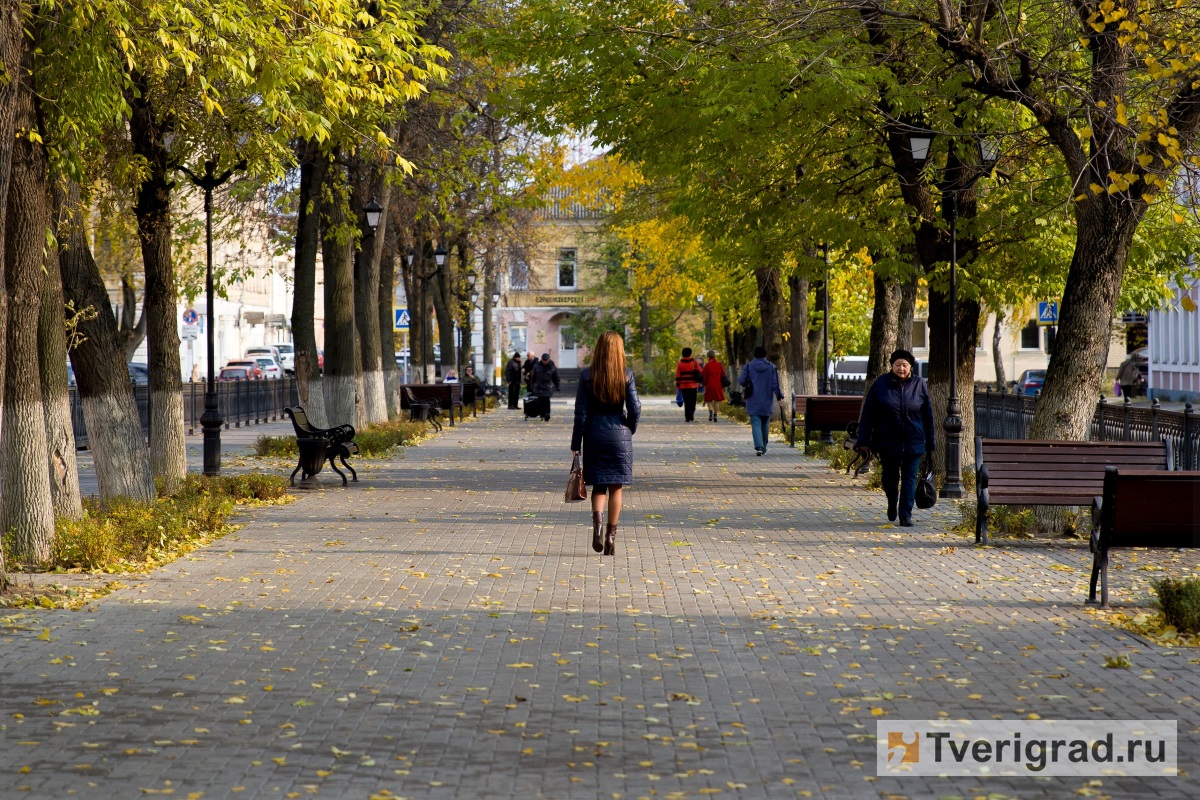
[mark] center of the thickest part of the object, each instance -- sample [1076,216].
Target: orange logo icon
[902,750]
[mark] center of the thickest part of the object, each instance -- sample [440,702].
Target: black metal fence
[1003,415]
[240,403]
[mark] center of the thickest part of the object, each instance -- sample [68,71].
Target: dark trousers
[514,394]
[900,473]
[689,404]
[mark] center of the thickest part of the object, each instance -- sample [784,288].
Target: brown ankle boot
[597,530]
[610,540]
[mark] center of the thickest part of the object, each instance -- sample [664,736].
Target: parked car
[275,351]
[269,366]
[139,373]
[287,357]
[234,374]
[1030,382]
[249,364]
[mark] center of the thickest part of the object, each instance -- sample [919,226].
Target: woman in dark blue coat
[606,415]
[897,423]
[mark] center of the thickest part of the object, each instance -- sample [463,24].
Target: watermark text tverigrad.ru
[1026,747]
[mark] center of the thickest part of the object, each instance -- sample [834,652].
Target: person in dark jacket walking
[606,417]
[760,381]
[897,423]
[688,380]
[512,376]
[543,383]
[527,370]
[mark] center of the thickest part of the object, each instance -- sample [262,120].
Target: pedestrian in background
[527,371]
[760,382]
[512,376]
[543,383]
[715,380]
[606,416]
[1128,377]
[688,379]
[897,423]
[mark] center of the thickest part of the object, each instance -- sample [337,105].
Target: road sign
[400,320]
[190,317]
[189,333]
[1047,313]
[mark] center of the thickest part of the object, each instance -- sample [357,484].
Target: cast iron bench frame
[318,445]
[425,410]
[1052,473]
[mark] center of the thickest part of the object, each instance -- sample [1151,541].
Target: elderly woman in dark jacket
[897,423]
[606,415]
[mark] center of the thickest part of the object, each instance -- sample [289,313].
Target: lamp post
[708,324]
[409,257]
[823,385]
[988,152]
[211,420]
[496,349]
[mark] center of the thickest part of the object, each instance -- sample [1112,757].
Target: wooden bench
[425,410]
[449,396]
[824,413]
[1142,508]
[318,445]
[1046,473]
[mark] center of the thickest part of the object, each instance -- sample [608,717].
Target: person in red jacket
[715,380]
[688,380]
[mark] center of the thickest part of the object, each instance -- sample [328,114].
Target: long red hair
[608,368]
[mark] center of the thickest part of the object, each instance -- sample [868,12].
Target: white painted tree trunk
[118,447]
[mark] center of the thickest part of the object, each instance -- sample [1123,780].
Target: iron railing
[1004,415]
[240,403]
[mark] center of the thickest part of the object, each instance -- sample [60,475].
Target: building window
[567,267]
[518,274]
[920,332]
[518,337]
[1031,338]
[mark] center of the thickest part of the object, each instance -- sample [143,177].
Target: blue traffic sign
[1047,313]
[190,317]
[400,320]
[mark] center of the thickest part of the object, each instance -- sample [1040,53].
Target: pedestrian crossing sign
[1048,313]
[400,320]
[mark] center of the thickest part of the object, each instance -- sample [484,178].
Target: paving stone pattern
[443,629]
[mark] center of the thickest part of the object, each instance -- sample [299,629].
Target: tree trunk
[804,368]
[27,510]
[340,354]
[883,327]
[997,356]
[11,48]
[168,453]
[132,326]
[773,312]
[386,303]
[115,434]
[313,166]
[489,315]
[366,294]
[818,336]
[939,373]
[56,398]
[1074,376]
[905,314]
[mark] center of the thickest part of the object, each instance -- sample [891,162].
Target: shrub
[276,447]
[1179,601]
[127,535]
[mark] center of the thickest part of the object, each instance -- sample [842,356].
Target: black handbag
[926,491]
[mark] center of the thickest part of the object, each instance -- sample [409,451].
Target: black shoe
[759,452]
[545,419]
[906,523]
[891,510]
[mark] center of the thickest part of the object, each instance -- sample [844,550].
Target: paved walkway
[443,630]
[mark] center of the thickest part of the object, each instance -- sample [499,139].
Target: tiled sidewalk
[444,630]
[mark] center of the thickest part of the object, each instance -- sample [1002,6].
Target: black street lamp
[708,323]
[988,152]
[211,420]
[823,386]
[439,259]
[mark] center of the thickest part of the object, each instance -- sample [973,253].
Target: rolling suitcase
[534,406]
